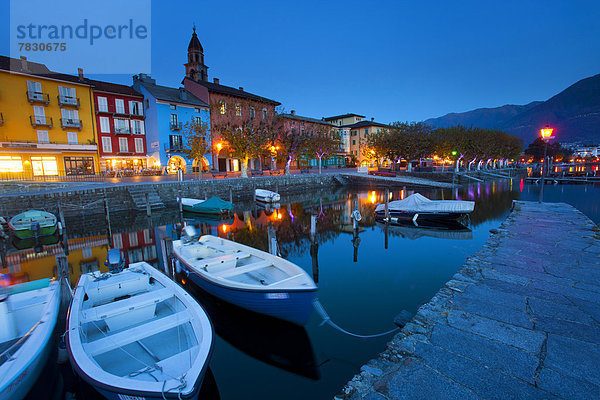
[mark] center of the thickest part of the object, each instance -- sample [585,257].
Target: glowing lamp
[224,227]
[219,146]
[453,152]
[546,133]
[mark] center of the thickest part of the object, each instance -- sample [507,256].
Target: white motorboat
[28,314]
[418,207]
[134,333]
[266,196]
[246,277]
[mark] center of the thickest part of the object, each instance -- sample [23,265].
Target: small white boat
[135,333]
[418,207]
[266,196]
[28,314]
[246,277]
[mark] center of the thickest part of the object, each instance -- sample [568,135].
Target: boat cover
[214,205]
[418,203]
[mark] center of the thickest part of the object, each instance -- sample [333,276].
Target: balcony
[176,126]
[1,119]
[40,121]
[173,148]
[125,151]
[122,131]
[38,97]
[71,123]
[68,101]
[111,110]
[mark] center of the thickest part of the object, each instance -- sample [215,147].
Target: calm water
[362,282]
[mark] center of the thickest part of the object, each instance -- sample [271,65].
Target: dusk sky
[391,60]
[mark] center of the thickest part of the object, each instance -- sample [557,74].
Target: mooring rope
[327,320]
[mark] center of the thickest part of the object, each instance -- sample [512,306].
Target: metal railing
[173,148]
[176,126]
[122,131]
[68,101]
[38,97]
[71,123]
[1,119]
[114,111]
[37,120]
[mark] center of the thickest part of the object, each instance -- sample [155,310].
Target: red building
[121,129]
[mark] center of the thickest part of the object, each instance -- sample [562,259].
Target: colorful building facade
[168,111]
[121,127]
[48,125]
[358,135]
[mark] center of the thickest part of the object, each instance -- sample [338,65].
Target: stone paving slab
[520,320]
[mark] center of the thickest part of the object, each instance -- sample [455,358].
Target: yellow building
[358,135]
[47,122]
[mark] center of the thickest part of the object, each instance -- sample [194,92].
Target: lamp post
[546,133]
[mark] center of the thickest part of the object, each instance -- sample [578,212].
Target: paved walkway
[520,320]
[405,180]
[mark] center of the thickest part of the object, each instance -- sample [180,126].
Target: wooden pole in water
[254,192]
[64,238]
[179,200]
[387,205]
[62,272]
[148,208]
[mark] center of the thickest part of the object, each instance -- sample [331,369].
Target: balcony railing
[176,126]
[173,148]
[113,111]
[1,119]
[71,123]
[68,101]
[122,131]
[40,121]
[38,97]
[125,151]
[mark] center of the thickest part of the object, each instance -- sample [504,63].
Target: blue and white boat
[266,196]
[246,277]
[135,334]
[28,314]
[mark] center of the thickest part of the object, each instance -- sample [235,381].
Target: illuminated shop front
[125,164]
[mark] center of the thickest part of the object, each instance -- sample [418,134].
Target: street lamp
[546,133]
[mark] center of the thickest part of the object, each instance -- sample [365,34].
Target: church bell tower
[195,68]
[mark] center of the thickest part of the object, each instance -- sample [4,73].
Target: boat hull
[408,216]
[28,233]
[191,209]
[293,306]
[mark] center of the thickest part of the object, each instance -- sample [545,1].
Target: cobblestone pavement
[520,320]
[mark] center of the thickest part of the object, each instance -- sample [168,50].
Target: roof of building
[195,43]
[363,124]
[222,89]
[343,116]
[37,69]
[307,119]
[172,95]
[108,87]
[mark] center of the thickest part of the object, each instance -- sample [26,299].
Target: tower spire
[195,68]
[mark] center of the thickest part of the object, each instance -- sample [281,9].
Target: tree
[555,150]
[378,146]
[196,142]
[290,143]
[245,141]
[322,143]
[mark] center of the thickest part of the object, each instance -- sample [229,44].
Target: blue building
[167,112]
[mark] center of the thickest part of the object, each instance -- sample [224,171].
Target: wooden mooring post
[64,278]
[107,216]
[179,200]
[387,205]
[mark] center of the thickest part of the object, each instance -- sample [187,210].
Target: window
[120,106]
[102,104]
[79,165]
[173,106]
[43,137]
[86,252]
[353,142]
[366,131]
[198,120]
[377,130]
[68,115]
[252,114]
[121,126]
[133,239]
[34,87]
[147,236]
[223,107]
[238,110]
[10,164]
[72,137]
[196,110]
[173,119]
[106,144]
[104,125]
[67,94]
[264,112]
[44,166]
[39,115]
[357,119]
[176,142]
[135,108]
[117,240]
[139,145]
[137,127]
[123,148]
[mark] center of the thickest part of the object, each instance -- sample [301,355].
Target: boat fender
[178,267]
[63,354]
[356,215]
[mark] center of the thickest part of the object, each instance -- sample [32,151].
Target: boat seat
[169,367]
[245,268]
[291,278]
[125,305]
[216,264]
[112,342]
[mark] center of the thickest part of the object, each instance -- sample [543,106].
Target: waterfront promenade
[520,320]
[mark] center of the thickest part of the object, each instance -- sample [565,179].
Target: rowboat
[28,314]
[417,207]
[266,196]
[247,277]
[134,333]
[26,223]
[212,206]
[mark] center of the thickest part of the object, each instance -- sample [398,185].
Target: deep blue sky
[392,60]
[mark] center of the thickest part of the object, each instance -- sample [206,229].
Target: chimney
[372,119]
[293,112]
[24,65]
[216,80]
[182,94]
[241,89]
[80,73]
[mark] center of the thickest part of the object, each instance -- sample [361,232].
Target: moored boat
[246,277]
[212,206]
[417,207]
[28,314]
[33,222]
[134,333]
[266,196]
